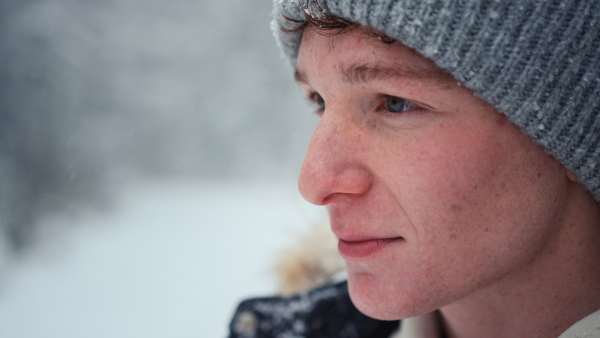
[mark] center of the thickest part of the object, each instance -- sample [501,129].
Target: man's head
[534,61]
[433,193]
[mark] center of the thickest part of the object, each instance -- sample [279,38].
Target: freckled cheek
[450,171]
[448,187]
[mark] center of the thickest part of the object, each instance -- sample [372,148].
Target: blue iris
[320,103]
[397,105]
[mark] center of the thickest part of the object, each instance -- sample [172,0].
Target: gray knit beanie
[536,61]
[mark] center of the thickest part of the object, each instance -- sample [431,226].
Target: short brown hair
[326,23]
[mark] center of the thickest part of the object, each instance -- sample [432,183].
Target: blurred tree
[90,89]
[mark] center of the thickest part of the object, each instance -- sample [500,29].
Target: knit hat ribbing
[536,61]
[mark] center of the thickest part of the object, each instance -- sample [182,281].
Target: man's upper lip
[350,233]
[348,230]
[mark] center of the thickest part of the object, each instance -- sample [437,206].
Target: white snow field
[169,259]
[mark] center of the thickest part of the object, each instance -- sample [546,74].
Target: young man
[456,155]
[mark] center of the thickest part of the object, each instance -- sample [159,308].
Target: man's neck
[549,295]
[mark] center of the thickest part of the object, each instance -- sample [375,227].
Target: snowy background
[148,160]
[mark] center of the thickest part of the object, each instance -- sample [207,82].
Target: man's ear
[571,176]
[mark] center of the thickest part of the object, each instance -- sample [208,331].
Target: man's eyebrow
[299,76]
[359,73]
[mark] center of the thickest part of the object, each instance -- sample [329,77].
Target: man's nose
[334,164]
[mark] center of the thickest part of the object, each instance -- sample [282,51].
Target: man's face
[434,198]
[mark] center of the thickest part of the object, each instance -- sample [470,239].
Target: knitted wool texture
[536,61]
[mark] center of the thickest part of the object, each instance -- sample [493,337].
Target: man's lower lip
[360,249]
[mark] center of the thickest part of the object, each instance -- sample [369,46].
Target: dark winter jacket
[319,313]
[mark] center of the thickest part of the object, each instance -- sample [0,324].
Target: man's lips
[366,247]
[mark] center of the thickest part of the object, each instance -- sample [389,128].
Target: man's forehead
[367,59]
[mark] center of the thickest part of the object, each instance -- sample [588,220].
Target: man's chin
[378,304]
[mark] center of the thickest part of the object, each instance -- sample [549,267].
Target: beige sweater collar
[429,326]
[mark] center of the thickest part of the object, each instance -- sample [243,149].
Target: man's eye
[398,105]
[318,100]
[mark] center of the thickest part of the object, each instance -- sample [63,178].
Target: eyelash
[315,97]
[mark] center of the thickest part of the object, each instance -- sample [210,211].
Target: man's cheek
[449,181]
